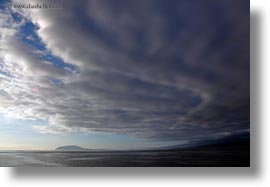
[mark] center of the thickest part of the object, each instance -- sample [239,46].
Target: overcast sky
[123,73]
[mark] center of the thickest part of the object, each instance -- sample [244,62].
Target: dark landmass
[70,148]
[75,148]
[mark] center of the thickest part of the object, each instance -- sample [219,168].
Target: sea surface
[192,157]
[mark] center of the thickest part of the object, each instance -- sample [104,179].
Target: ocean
[190,157]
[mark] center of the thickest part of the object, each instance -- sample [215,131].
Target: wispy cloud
[154,69]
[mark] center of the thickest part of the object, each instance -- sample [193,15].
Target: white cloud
[136,73]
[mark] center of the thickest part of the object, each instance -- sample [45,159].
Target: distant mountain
[70,148]
[242,139]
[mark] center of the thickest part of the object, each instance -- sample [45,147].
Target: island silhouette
[70,148]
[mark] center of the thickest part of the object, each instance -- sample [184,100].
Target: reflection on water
[186,157]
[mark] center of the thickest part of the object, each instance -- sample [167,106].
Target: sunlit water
[126,158]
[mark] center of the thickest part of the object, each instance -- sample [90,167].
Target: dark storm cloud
[158,69]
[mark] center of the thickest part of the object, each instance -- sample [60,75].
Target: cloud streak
[166,70]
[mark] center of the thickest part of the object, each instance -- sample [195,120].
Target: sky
[123,74]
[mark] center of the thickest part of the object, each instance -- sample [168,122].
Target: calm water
[205,157]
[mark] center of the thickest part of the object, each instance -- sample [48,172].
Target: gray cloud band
[156,69]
